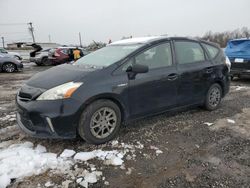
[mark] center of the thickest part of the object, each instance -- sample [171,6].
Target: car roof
[241,39]
[137,40]
[146,40]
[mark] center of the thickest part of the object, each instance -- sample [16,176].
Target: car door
[155,90]
[195,71]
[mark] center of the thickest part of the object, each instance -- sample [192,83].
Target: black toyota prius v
[126,80]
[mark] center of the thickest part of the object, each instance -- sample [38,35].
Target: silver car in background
[9,63]
[14,54]
[41,58]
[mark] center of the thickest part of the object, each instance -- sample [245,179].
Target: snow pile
[20,160]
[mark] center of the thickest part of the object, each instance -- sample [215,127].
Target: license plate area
[239,60]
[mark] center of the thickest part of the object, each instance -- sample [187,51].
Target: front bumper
[19,66]
[48,119]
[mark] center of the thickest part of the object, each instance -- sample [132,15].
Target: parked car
[238,51]
[15,54]
[9,64]
[41,58]
[63,55]
[126,80]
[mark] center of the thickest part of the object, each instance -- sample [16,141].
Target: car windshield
[107,55]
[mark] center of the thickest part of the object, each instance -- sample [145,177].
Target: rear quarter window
[212,50]
[189,52]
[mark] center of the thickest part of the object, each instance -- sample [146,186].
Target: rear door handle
[209,70]
[172,77]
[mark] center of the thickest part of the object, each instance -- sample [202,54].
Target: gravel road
[196,148]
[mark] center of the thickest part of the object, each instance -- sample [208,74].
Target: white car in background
[16,55]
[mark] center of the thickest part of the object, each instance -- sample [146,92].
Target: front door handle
[172,77]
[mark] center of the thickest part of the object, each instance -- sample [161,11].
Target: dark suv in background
[62,55]
[126,80]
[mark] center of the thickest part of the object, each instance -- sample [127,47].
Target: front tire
[100,122]
[9,67]
[213,97]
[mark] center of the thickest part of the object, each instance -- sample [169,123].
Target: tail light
[228,63]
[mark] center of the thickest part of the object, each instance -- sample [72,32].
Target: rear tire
[45,61]
[100,122]
[9,67]
[213,97]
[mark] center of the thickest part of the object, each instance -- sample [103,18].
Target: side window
[189,52]
[155,57]
[212,50]
[65,51]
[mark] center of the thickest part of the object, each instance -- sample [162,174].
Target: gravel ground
[194,154]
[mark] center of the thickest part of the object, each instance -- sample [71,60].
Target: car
[124,81]
[9,64]
[41,57]
[15,54]
[238,52]
[64,54]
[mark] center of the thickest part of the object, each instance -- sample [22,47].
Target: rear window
[212,50]
[189,52]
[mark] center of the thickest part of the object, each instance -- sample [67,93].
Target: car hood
[14,53]
[57,75]
[2,55]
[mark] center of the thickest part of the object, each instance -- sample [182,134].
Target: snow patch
[21,160]
[208,124]
[157,150]
[8,117]
[109,157]
[230,121]
[239,88]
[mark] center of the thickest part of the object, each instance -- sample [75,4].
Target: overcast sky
[101,20]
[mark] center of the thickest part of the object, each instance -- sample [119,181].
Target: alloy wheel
[103,122]
[9,67]
[214,96]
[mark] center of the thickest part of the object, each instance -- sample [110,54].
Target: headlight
[63,91]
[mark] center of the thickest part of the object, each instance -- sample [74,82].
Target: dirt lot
[194,152]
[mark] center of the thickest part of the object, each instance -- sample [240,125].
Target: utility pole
[31,28]
[80,39]
[3,41]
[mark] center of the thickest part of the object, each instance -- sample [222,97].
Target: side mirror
[137,68]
